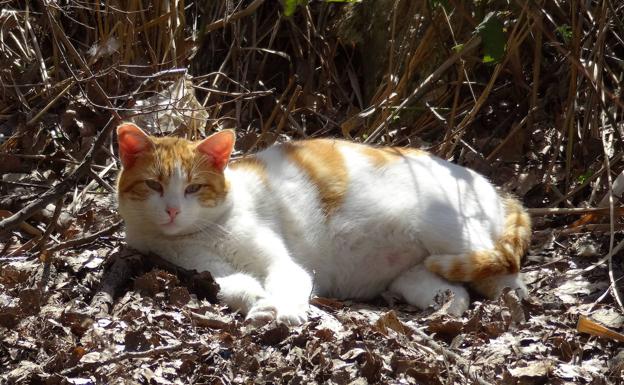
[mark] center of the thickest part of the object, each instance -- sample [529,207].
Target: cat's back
[332,163]
[337,172]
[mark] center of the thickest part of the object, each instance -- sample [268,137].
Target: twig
[51,226]
[101,181]
[592,227]
[278,105]
[42,157]
[45,109]
[594,176]
[244,95]
[86,239]
[425,85]
[251,8]
[61,188]
[572,210]
[602,260]
[131,355]
[78,198]
[512,134]
[585,325]
[461,362]
[286,112]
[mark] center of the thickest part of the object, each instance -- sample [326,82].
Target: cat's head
[171,185]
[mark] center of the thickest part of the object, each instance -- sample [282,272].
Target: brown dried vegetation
[545,121]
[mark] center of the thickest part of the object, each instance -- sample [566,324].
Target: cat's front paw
[266,310]
[263,312]
[292,315]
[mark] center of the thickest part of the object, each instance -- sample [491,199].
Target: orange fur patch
[487,263]
[159,162]
[510,248]
[381,156]
[504,258]
[323,163]
[457,270]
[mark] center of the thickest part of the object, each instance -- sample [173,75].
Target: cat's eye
[154,185]
[192,188]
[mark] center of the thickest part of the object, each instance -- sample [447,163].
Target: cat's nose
[173,211]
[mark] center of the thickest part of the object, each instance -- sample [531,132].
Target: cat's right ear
[132,142]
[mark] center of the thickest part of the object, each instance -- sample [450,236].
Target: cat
[319,216]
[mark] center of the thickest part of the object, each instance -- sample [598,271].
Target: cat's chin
[171,229]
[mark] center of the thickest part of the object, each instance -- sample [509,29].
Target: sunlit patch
[251,164]
[386,155]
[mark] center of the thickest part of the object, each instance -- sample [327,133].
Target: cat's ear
[132,142]
[218,147]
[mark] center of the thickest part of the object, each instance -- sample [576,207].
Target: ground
[526,95]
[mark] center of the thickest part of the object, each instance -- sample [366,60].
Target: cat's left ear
[218,147]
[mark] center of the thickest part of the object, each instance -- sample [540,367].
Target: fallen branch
[115,277]
[24,226]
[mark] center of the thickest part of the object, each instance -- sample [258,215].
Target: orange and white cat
[321,216]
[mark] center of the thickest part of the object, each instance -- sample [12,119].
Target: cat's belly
[362,265]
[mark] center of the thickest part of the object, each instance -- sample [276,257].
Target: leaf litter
[77,307]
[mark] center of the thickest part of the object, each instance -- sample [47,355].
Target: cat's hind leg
[419,287]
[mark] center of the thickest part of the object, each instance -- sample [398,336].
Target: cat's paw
[263,312]
[453,302]
[458,306]
[292,315]
[267,310]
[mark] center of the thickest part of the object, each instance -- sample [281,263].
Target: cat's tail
[504,258]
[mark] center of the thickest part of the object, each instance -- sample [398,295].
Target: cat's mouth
[169,227]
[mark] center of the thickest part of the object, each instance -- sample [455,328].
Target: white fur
[270,247]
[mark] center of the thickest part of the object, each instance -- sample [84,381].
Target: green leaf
[291,5]
[493,37]
[583,177]
[565,31]
[458,47]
